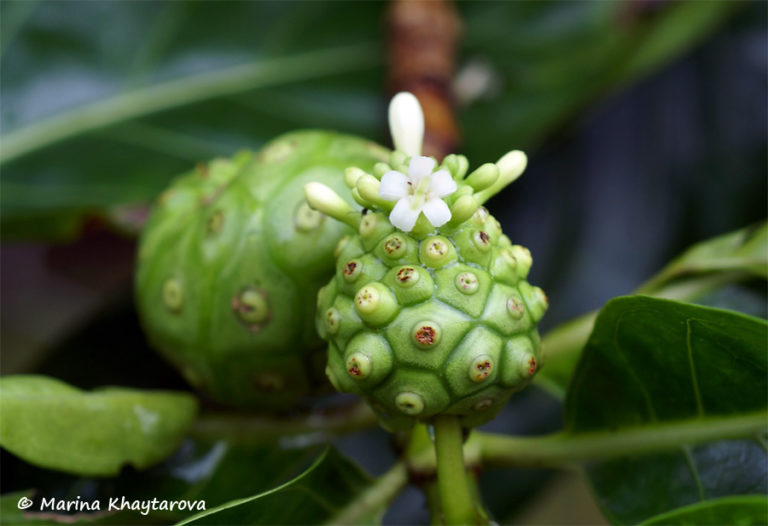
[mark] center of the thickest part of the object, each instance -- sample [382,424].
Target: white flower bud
[406,123]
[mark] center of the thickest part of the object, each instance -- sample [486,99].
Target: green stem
[254,429]
[432,494]
[566,448]
[474,488]
[173,94]
[376,497]
[455,495]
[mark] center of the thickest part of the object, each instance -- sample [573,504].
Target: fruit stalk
[455,496]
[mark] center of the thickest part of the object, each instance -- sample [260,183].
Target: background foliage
[644,121]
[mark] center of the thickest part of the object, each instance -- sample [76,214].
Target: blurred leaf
[744,250]
[747,298]
[214,472]
[561,56]
[138,103]
[104,114]
[651,363]
[744,511]
[697,273]
[97,118]
[52,424]
[314,497]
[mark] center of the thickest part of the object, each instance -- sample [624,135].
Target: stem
[251,429]
[376,497]
[172,94]
[455,496]
[570,448]
[474,488]
[432,494]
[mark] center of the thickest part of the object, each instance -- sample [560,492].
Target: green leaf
[54,425]
[699,361]
[744,250]
[701,270]
[314,497]
[652,363]
[742,511]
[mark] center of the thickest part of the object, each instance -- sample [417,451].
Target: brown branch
[422,41]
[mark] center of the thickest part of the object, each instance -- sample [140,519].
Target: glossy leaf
[745,511]
[650,363]
[702,269]
[314,497]
[54,425]
[103,114]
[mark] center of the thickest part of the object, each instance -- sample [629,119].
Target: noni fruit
[429,312]
[230,262]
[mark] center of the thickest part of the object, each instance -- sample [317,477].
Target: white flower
[419,191]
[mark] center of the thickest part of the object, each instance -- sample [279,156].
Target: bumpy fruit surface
[230,263]
[434,321]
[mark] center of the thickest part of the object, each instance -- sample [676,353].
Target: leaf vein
[691,463]
[630,370]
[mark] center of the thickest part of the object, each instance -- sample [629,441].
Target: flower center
[420,193]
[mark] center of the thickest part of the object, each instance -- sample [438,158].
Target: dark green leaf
[52,424]
[650,363]
[314,497]
[742,511]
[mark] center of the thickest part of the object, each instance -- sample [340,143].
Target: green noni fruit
[230,262]
[429,312]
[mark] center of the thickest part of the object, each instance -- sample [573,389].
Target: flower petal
[403,216]
[436,211]
[442,184]
[420,167]
[394,185]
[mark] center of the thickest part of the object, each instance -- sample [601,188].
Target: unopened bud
[483,177]
[323,198]
[406,123]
